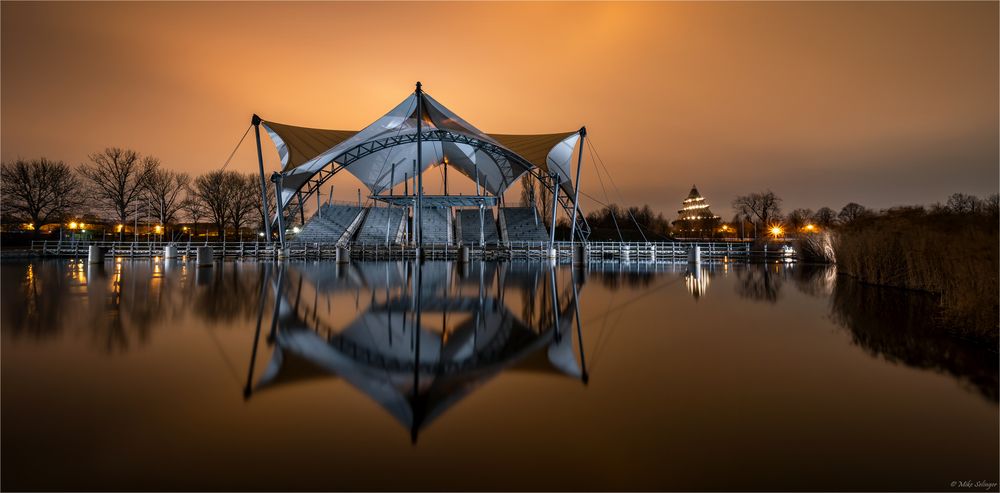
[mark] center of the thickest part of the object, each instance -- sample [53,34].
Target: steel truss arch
[499,154]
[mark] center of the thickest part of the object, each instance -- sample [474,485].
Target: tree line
[762,212]
[757,214]
[120,186]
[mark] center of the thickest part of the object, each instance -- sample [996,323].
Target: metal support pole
[276,178]
[302,207]
[478,193]
[576,192]
[555,204]
[406,192]
[388,213]
[263,182]
[445,164]
[420,178]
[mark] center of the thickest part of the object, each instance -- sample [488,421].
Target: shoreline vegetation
[949,251]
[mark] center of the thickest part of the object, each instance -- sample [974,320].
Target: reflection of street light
[295,230]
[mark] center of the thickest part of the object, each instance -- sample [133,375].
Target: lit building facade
[695,219]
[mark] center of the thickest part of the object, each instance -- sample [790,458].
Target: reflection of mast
[579,329]
[417,415]
[265,275]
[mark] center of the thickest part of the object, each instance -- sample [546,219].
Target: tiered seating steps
[373,231]
[469,226]
[332,224]
[523,224]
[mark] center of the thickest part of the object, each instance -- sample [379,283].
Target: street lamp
[776,231]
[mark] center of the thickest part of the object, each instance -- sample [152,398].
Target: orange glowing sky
[825,103]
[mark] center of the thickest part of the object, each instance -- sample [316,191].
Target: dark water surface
[149,375]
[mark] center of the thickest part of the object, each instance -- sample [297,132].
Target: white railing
[666,251]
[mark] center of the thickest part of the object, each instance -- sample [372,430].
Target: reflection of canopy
[370,154]
[394,350]
[375,354]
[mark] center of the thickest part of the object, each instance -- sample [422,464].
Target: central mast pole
[420,176]
[576,193]
[265,210]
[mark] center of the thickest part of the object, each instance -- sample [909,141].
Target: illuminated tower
[695,219]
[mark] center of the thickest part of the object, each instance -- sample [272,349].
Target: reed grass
[954,256]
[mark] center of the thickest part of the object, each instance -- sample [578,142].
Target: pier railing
[664,251]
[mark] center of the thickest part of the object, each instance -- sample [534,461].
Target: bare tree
[245,200]
[117,178]
[759,207]
[852,212]
[825,217]
[165,190]
[992,205]
[194,209]
[799,218]
[38,191]
[962,203]
[214,191]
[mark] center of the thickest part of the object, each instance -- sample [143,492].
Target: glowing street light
[158,229]
[776,231]
[810,228]
[72,225]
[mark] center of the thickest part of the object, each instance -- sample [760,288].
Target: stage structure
[400,146]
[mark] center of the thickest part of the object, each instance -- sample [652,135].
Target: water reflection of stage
[430,335]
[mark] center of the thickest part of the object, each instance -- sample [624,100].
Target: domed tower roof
[694,207]
[694,193]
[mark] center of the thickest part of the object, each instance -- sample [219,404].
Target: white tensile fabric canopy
[306,151]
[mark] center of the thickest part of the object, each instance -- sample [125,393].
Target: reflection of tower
[696,281]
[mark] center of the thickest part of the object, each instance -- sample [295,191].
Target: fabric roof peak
[498,160]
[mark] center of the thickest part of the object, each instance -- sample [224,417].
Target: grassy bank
[954,256]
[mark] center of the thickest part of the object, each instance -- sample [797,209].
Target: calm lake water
[143,374]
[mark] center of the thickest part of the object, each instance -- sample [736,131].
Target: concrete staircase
[373,231]
[523,224]
[468,224]
[332,224]
[436,223]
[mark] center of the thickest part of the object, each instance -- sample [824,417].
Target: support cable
[612,180]
[601,180]
[238,144]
